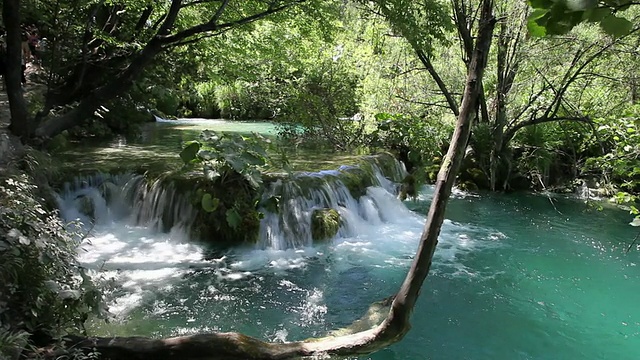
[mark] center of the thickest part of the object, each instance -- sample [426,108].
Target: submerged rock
[408,188]
[325,224]
[86,206]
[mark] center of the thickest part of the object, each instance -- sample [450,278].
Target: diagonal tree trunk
[397,322]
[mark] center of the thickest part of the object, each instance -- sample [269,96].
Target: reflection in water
[159,144]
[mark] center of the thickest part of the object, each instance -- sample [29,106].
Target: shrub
[43,291]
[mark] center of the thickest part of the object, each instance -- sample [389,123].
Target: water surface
[159,144]
[514,277]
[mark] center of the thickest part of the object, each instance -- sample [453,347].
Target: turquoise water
[560,287]
[159,145]
[514,277]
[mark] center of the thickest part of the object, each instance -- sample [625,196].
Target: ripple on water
[511,280]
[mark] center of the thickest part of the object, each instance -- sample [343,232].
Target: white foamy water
[166,278]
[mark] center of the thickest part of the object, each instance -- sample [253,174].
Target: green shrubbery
[230,190]
[44,293]
[418,142]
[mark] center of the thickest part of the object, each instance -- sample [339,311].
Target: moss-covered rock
[408,188]
[86,206]
[468,186]
[357,180]
[325,224]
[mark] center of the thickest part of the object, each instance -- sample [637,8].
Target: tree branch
[212,25]
[436,77]
[510,133]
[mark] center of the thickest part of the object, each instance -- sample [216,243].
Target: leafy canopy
[558,17]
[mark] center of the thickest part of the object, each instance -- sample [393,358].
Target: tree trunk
[21,123]
[397,322]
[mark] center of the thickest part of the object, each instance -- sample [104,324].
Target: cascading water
[139,231]
[512,277]
[104,198]
[304,193]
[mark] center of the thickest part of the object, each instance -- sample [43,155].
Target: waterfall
[362,195]
[304,193]
[104,198]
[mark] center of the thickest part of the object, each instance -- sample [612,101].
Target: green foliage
[229,192]
[558,17]
[423,23]
[620,140]
[209,203]
[325,106]
[43,290]
[419,142]
[222,154]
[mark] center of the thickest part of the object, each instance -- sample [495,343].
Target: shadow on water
[159,144]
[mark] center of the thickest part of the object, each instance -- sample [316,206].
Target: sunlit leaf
[209,203]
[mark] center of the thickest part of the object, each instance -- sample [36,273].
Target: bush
[43,291]
[324,108]
[418,142]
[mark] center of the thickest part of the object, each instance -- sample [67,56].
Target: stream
[515,276]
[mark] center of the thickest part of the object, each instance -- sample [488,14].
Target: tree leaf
[209,203]
[538,13]
[233,218]
[596,14]
[190,151]
[541,4]
[616,26]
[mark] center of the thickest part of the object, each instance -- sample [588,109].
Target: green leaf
[538,13]
[190,151]
[535,29]
[235,162]
[635,222]
[596,14]
[541,4]
[233,218]
[209,203]
[254,177]
[616,26]
[207,155]
[252,159]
